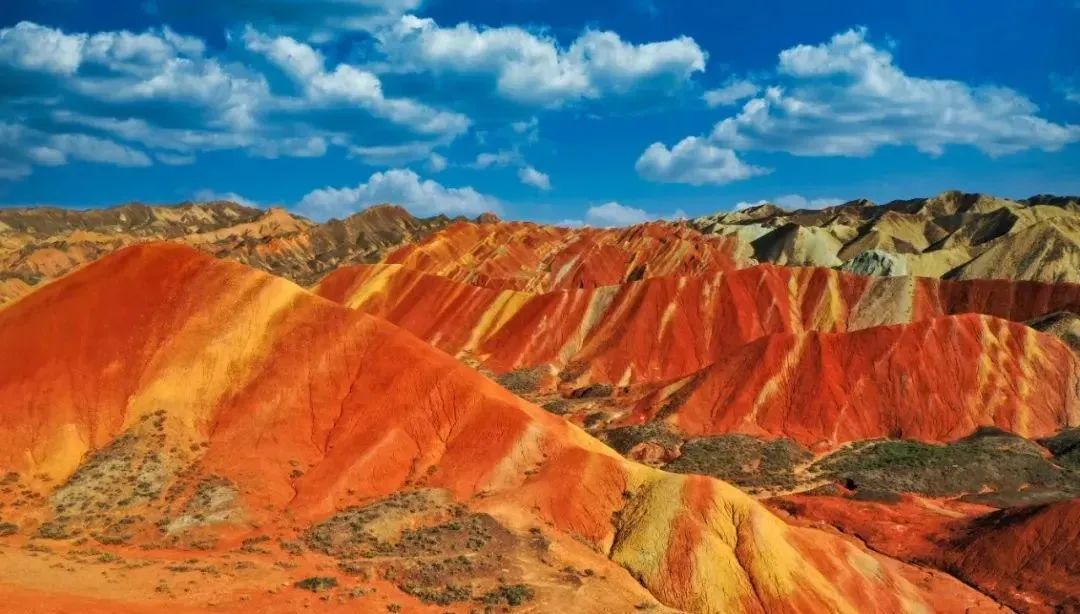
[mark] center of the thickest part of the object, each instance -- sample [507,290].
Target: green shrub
[317,584]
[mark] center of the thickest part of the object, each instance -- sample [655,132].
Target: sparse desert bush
[317,584]
[511,594]
[53,530]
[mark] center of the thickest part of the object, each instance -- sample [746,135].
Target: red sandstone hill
[666,327]
[1027,558]
[933,380]
[526,256]
[165,399]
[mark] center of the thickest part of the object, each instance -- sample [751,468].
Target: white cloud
[156,65]
[22,148]
[397,186]
[530,129]
[137,79]
[522,127]
[436,163]
[739,206]
[1068,87]
[208,195]
[792,202]
[614,214]
[347,84]
[732,92]
[534,69]
[694,161]
[488,159]
[530,176]
[93,149]
[847,98]
[316,20]
[393,155]
[797,201]
[30,46]
[175,159]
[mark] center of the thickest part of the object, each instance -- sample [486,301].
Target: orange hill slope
[247,377]
[666,327]
[526,256]
[933,380]
[1027,558]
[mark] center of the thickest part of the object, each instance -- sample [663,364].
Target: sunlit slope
[248,377]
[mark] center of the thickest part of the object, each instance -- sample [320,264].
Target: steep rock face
[40,244]
[248,377]
[525,256]
[878,263]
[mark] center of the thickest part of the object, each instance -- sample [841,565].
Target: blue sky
[600,112]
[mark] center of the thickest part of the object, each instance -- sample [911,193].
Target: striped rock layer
[251,374]
[810,353]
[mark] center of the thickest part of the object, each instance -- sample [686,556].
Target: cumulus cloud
[534,69]
[124,67]
[530,176]
[397,186]
[615,214]
[732,92]
[208,195]
[694,161]
[161,90]
[346,84]
[847,97]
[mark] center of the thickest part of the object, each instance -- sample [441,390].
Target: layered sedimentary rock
[533,257]
[952,235]
[668,327]
[40,244]
[270,410]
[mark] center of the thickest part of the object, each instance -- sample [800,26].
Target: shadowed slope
[246,377]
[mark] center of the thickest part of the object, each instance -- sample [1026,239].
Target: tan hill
[1047,251]
[942,236]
